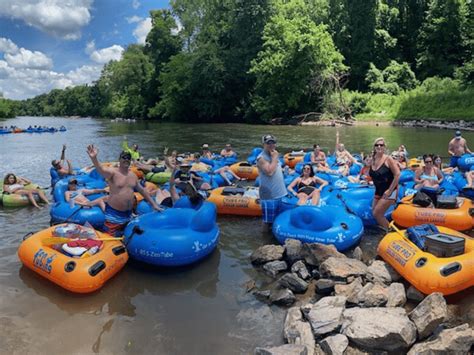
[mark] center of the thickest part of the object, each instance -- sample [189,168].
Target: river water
[201,309]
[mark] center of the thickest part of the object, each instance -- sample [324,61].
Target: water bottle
[71,203]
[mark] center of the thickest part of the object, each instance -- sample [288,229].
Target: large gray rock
[267,253]
[293,282]
[316,253]
[396,295]
[414,295]
[429,313]
[372,295]
[324,286]
[326,315]
[272,268]
[299,268]
[282,297]
[379,328]
[449,341]
[293,250]
[297,331]
[350,291]
[334,344]
[287,349]
[342,268]
[358,254]
[380,271]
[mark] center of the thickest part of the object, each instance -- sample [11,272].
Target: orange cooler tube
[245,170]
[235,204]
[425,271]
[407,215]
[291,159]
[79,275]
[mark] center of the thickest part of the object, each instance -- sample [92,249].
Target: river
[201,309]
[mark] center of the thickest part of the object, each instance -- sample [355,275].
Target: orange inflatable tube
[79,275]
[407,215]
[293,158]
[245,170]
[425,271]
[232,200]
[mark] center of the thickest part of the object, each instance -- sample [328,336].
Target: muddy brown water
[201,309]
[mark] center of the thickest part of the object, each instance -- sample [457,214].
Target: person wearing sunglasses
[318,159]
[123,183]
[306,186]
[428,176]
[59,170]
[385,174]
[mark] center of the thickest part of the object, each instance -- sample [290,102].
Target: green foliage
[441,45]
[465,74]
[296,54]
[8,108]
[394,78]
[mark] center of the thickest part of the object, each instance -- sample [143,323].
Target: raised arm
[63,153]
[139,188]
[174,194]
[105,172]
[269,168]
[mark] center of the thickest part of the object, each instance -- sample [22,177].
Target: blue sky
[46,44]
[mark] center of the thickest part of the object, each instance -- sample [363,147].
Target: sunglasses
[428,161]
[379,145]
[307,168]
[128,158]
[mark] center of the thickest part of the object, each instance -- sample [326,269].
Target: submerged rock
[379,328]
[326,315]
[449,341]
[267,253]
[430,313]
[272,268]
[342,268]
[316,253]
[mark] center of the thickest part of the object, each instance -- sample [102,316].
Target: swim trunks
[115,221]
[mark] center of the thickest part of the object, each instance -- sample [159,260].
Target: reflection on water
[200,309]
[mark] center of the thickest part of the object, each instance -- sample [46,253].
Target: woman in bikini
[385,174]
[16,185]
[428,176]
[79,197]
[306,186]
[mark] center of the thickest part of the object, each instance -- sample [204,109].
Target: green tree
[296,54]
[441,45]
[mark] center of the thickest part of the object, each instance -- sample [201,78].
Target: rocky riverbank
[462,125]
[351,305]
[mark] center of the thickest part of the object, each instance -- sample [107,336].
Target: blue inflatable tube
[326,225]
[466,161]
[175,237]
[252,158]
[62,212]
[406,175]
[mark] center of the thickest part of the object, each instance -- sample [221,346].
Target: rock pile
[454,125]
[341,305]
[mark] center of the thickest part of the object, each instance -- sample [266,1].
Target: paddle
[395,228]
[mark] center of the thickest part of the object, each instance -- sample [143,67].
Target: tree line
[252,60]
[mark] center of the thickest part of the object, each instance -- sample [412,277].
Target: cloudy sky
[47,44]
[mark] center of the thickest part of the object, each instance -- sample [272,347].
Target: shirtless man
[58,165]
[457,147]
[228,152]
[123,183]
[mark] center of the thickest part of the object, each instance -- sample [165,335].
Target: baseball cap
[458,134]
[125,155]
[268,139]
[205,146]
[73,182]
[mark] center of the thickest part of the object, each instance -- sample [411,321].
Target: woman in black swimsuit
[306,186]
[385,174]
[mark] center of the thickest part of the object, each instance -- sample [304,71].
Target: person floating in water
[456,148]
[123,183]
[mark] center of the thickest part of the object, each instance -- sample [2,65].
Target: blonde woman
[385,174]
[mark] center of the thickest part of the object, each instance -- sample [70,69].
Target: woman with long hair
[16,185]
[385,174]
[429,175]
[306,186]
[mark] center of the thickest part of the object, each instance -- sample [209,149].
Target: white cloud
[105,55]
[134,19]
[90,47]
[25,73]
[25,58]
[7,46]
[142,29]
[135,4]
[61,18]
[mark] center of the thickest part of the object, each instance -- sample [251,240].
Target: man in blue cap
[272,184]
[457,147]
